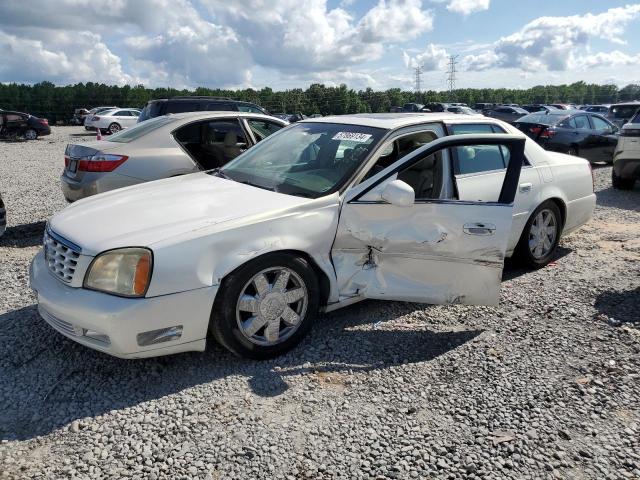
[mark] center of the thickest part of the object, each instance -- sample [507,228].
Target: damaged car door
[399,239]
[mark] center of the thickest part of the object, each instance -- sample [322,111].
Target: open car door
[402,237]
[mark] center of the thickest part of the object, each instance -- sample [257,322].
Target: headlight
[125,272]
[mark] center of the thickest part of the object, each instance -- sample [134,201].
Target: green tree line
[57,103]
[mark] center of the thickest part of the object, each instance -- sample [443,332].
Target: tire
[535,252]
[573,151]
[620,183]
[88,128]
[240,299]
[30,134]
[114,128]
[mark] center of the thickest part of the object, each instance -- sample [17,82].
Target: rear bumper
[579,212]
[112,324]
[94,183]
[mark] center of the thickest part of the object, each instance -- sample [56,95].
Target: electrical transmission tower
[451,74]
[417,71]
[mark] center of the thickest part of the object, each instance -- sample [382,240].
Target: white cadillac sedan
[322,214]
[112,121]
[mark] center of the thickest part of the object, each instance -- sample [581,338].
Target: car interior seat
[231,148]
[420,177]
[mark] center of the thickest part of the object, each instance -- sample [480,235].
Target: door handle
[479,229]
[526,187]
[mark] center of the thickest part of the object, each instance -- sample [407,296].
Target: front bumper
[114,323]
[94,183]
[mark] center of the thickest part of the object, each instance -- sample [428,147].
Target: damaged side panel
[421,253]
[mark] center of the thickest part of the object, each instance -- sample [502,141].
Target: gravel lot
[546,385]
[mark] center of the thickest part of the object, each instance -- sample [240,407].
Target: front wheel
[265,307]
[114,128]
[621,183]
[540,237]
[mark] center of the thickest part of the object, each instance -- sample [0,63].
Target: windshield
[140,129]
[543,118]
[307,159]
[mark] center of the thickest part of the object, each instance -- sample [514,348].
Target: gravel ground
[546,385]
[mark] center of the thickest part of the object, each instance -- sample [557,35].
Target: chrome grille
[61,256]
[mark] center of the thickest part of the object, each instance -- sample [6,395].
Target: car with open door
[22,126]
[162,147]
[317,216]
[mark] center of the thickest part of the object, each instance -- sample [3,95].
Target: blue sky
[292,43]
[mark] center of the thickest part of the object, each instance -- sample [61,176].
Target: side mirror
[398,193]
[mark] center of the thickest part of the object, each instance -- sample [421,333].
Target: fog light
[159,336]
[99,337]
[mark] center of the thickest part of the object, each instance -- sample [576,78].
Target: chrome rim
[30,134]
[542,234]
[271,306]
[114,128]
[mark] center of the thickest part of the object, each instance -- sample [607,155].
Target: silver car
[162,147]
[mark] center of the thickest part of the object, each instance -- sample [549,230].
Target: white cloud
[467,7]
[395,21]
[60,57]
[552,43]
[432,58]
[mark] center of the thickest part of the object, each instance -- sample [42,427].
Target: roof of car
[392,121]
[219,114]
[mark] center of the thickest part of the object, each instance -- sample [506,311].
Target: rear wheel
[265,307]
[31,134]
[114,128]
[573,151]
[540,236]
[621,183]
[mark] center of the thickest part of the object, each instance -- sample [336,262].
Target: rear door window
[181,107]
[600,124]
[213,143]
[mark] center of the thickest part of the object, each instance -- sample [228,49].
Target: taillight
[101,163]
[535,130]
[547,133]
[66,161]
[44,121]
[95,119]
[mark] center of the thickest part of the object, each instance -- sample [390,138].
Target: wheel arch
[323,278]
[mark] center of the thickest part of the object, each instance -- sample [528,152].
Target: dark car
[479,107]
[601,109]
[412,107]
[621,113]
[156,108]
[538,108]
[506,113]
[19,125]
[575,132]
[435,107]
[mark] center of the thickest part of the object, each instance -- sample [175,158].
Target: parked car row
[314,216]
[22,126]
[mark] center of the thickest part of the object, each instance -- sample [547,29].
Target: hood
[141,215]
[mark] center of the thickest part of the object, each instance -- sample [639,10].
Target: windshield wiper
[219,173]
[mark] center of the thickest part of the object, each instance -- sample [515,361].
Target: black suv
[156,108]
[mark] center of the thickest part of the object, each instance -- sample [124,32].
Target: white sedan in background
[112,121]
[319,215]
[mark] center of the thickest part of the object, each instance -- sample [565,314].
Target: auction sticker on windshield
[353,136]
